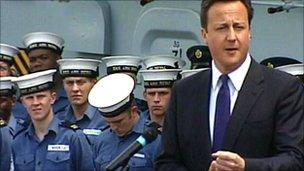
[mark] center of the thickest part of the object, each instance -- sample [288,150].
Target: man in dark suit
[264,127]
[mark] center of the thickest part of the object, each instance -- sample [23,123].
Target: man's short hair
[206,5]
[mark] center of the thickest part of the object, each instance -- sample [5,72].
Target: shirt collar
[139,126]
[89,113]
[236,77]
[54,126]
[61,93]
[145,114]
[215,75]
[12,122]
[70,114]
[30,130]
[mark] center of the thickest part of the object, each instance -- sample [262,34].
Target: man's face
[123,123]
[158,100]
[6,104]
[227,34]
[42,59]
[4,69]
[77,89]
[39,105]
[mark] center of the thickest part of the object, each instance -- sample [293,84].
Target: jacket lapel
[249,93]
[201,119]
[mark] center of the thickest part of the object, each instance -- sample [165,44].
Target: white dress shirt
[235,82]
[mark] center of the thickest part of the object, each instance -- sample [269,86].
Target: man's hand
[227,161]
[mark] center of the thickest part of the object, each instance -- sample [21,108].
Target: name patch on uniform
[58,148]
[139,155]
[91,131]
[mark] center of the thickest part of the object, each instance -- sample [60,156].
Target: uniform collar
[12,122]
[53,127]
[61,93]
[146,115]
[139,126]
[89,113]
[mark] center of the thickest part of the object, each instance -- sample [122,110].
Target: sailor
[113,95]
[286,64]
[19,117]
[79,76]
[159,76]
[7,53]
[44,49]
[129,65]
[157,92]
[5,143]
[163,62]
[274,62]
[47,144]
[200,59]
[7,121]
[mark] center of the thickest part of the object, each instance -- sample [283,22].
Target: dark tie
[222,113]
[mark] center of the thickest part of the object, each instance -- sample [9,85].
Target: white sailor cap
[163,62]
[7,86]
[157,78]
[79,67]
[7,53]
[43,40]
[36,82]
[294,69]
[118,64]
[112,94]
[187,73]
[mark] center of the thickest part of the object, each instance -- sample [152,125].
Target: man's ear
[58,57]
[204,35]
[93,81]
[13,100]
[22,102]
[134,110]
[145,95]
[53,97]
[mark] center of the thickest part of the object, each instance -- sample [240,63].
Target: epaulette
[153,125]
[19,131]
[21,126]
[2,123]
[70,125]
[160,130]
[23,123]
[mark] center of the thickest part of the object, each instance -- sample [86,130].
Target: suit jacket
[265,127]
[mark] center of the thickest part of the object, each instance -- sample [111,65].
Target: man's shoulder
[276,76]
[105,138]
[69,129]
[192,82]
[106,135]
[275,82]
[19,138]
[68,126]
